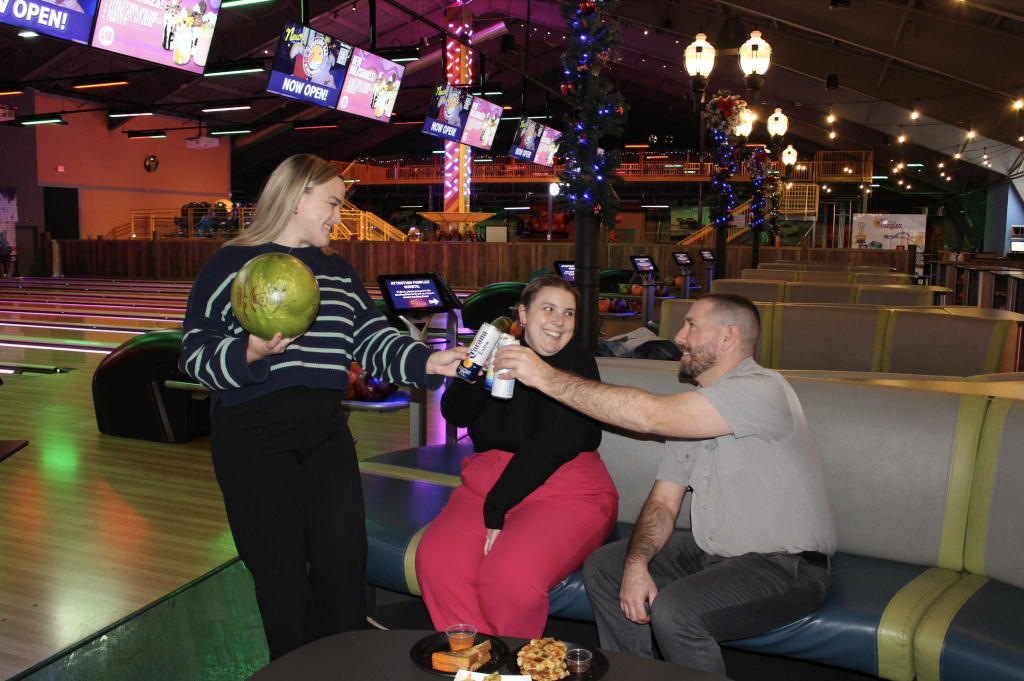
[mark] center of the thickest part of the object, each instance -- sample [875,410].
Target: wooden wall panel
[464,265]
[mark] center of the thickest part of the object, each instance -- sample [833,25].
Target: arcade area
[833,161]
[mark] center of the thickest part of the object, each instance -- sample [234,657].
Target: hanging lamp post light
[699,61]
[789,157]
[755,59]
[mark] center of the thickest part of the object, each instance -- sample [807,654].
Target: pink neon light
[58,349]
[97,316]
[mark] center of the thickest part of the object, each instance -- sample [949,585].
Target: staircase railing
[706,235]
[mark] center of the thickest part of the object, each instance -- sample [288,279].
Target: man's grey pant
[702,599]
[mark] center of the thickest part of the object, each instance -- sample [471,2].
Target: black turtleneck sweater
[542,433]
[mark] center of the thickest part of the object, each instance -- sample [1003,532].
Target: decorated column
[459,71]
[725,112]
[586,181]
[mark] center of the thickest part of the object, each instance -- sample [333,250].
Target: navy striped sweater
[348,328]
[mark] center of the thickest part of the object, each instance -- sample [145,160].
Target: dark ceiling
[956,62]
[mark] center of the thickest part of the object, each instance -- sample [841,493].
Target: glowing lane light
[56,348]
[99,329]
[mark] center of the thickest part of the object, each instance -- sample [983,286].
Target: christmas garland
[764,186]
[593,41]
[724,113]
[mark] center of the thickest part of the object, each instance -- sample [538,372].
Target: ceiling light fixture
[128,113]
[230,131]
[239,3]
[11,92]
[41,119]
[234,68]
[28,34]
[314,125]
[237,107]
[93,83]
[147,134]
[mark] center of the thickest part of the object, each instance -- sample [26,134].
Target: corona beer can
[502,388]
[480,350]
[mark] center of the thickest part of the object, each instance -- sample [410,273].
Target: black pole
[373,25]
[526,51]
[587,251]
[304,12]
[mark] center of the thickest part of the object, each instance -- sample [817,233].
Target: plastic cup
[460,636]
[578,660]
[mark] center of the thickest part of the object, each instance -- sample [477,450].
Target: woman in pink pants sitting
[535,499]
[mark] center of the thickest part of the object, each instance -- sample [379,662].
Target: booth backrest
[797,266]
[755,291]
[828,337]
[922,343]
[994,547]
[899,464]
[894,296]
[812,292]
[822,267]
[673,312]
[632,459]
[1014,376]
[827,277]
[871,269]
[880,279]
[771,275]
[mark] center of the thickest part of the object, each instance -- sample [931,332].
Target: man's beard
[702,358]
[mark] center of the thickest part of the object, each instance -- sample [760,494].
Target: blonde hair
[280,197]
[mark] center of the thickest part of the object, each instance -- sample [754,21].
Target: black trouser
[703,599]
[287,467]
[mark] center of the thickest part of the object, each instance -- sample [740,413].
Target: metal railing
[706,235]
[670,166]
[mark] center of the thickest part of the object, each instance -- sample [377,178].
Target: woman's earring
[296,211]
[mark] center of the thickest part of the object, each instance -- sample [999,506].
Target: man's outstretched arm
[687,414]
[653,529]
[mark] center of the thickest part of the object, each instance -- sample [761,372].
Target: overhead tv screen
[371,86]
[175,34]
[70,19]
[460,117]
[309,66]
[535,143]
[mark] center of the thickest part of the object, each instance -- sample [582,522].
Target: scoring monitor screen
[707,256]
[1017,246]
[567,269]
[411,293]
[682,259]
[643,264]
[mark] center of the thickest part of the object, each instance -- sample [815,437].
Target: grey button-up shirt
[760,489]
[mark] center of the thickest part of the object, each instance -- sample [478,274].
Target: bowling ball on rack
[638,306]
[637,290]
[604,305]
[679,281]
[660,291]
[624,289]
[275,293]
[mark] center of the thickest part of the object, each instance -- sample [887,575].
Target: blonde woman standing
[281,447]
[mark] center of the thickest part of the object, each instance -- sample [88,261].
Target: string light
[1018,104]
[903,138]
[913,114]
[956,155]
[832,135]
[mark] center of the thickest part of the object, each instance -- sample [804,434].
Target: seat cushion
[397,513]
[867,621]
[771,275]
[569,599]
[974,631]
[753,290]
[817,292]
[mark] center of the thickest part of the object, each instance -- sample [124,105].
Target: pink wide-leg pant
[545,539]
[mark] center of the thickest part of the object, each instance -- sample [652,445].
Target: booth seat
[827,277]
[872,338]
[781,265]
[905,479]
[976,629]
[771,275]
[880,279]
[787,289]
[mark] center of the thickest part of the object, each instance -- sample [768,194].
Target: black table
[384,656]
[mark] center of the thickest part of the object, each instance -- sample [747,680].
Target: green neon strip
[901,618]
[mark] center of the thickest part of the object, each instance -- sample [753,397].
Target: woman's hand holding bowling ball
[445,362]
[260,349]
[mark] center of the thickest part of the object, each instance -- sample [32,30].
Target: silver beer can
[479,351]
[502,388]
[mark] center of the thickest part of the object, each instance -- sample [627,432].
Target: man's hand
[637,587]
[526,366]
[445,362]
[259,349]
[489,544]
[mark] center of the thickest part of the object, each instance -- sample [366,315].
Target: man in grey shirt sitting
[758,555]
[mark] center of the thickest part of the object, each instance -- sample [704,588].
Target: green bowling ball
[275,293]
